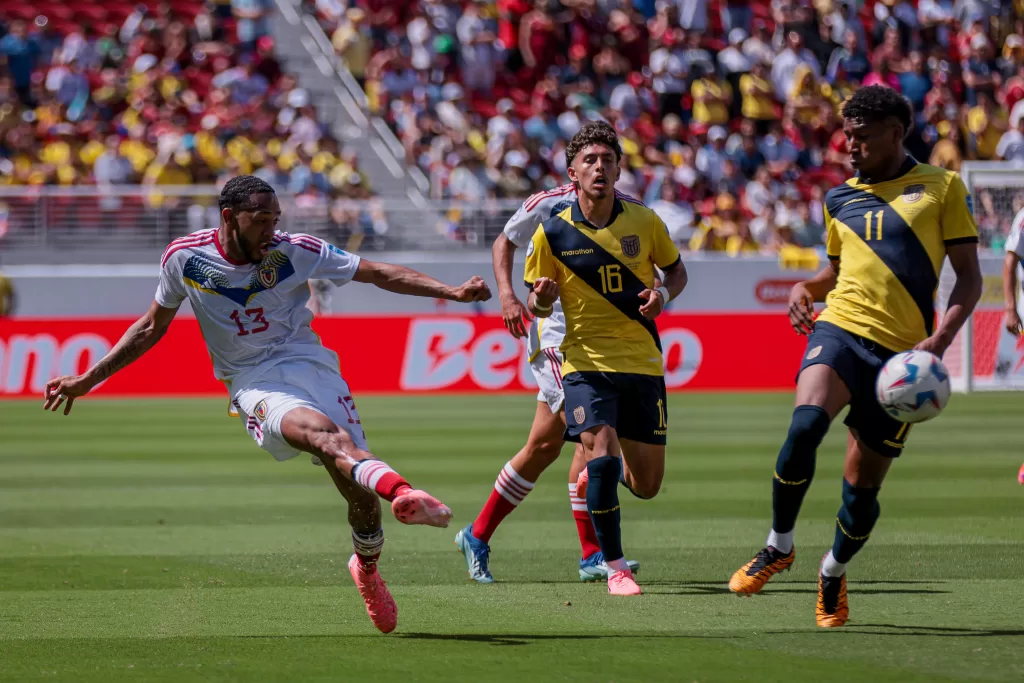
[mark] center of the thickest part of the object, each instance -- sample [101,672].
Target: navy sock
[603,504]
[794,468]
[855,521]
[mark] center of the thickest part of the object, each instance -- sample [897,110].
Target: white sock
[618,565]
[829,566]
[781,542]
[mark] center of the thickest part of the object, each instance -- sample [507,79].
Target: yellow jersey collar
[578,217]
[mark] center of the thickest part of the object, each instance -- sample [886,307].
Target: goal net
[984,356]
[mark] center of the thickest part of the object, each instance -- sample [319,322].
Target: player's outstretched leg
[367,541]
[313,432]
[820,395]
[854,522]
[592,564]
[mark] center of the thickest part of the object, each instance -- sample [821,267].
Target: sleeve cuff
[973,239]
[529,285]
[833,257]
[673,264]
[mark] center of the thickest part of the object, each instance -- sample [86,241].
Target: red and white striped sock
[509,491]
[584,525]
[376,476]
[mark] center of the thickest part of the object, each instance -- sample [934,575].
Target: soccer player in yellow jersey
[599,257]
[889,230]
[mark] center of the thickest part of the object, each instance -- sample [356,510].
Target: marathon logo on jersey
[913,193]
[580,414]
[260,411]
[630,245]
[205,275]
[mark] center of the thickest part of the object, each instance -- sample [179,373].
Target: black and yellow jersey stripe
[890,239]
[600,273]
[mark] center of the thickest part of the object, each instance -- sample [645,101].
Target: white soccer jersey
[1015,245]
[253,316]
[545,333]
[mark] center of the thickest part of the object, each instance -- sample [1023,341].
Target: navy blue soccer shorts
[633,405]
[858,361]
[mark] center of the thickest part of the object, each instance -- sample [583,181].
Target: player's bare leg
[863,474]
[604,467]
[313,432]
[820,395]
[368,541]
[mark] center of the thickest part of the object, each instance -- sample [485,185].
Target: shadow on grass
[942,631]
[504,639]
[722,588]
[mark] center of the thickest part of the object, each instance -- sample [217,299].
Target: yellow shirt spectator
[351,44]
[710,101]
[90,152]
[758,98]
[987,128]
[56,153]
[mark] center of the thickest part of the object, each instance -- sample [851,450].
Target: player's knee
[646,487]
[331,441]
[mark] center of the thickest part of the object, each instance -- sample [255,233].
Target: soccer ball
[913,386]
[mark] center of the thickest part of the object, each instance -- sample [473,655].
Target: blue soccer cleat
[476,552]
[594,568]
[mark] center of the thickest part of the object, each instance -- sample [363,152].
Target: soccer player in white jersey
[246,282]
[1012,272]
[544,444]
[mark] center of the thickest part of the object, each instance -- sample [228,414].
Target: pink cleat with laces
[379,604]
[419,507]
[622,583]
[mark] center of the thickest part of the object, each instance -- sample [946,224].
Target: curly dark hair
[236,192]
[597,133]
[877,103]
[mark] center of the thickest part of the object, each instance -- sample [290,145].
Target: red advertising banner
[400,354]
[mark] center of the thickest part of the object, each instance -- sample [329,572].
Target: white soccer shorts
[547,370]
[264,402]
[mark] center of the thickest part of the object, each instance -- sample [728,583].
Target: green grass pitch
[153,541]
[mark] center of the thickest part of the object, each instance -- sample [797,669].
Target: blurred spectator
[22,54]
[712,98]
[785,64]
[1011,144]
[113,168]
[947,152]
[353,43]
[677,214]
[251,21]
[849,62]
[758,92]
[915,82]
[844,21]
[981,73]
[986,125]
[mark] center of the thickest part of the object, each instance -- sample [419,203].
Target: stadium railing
[134,216]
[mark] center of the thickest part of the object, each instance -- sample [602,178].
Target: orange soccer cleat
[751,577]
[833,609]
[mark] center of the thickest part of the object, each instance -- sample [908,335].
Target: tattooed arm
[139,338]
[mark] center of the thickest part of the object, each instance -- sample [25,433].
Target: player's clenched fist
[546,290]
[473,289]
[801,309]
[64,388]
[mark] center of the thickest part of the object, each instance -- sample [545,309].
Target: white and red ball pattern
[913,386]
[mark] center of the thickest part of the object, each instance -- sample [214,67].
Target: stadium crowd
[728,111]
[173,93]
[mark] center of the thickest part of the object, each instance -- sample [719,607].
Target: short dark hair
[877,103]
[236,192]
[597,133]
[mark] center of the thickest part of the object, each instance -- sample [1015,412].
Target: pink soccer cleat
[622,583]
[379,604]
[581,484]
[419,507]
[1020,476]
